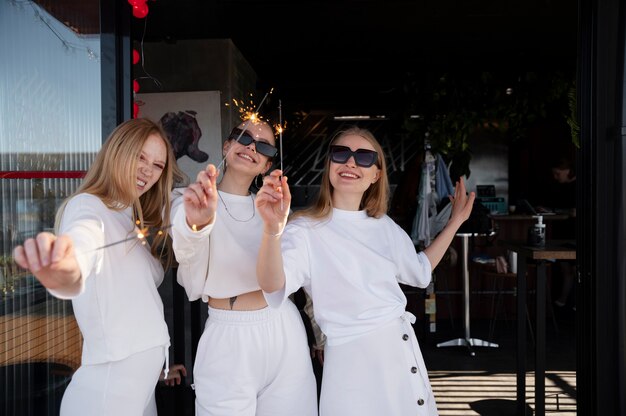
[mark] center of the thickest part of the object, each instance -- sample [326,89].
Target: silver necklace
[231,215]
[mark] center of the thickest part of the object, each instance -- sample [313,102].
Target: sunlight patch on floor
[474,392]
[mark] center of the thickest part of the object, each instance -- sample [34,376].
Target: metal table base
[467,341]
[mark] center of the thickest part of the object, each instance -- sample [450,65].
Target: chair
[497,301]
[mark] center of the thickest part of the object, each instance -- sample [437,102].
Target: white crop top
[222,261]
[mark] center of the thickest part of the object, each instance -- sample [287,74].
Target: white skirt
[379,373]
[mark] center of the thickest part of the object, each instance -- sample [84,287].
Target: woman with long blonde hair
[101,261]
[349,256]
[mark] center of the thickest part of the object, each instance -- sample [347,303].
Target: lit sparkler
[140,235]
[280,141]
[249,116]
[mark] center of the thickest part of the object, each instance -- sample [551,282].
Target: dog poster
[192,121]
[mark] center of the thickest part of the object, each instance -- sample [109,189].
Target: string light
[91,54]
[140,13]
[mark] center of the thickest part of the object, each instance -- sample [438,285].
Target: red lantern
[136,2]
[140,10]
[135,57]
[135,110]
[135,86]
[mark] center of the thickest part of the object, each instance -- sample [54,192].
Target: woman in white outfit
[251,359]
[349,256]
[110,276]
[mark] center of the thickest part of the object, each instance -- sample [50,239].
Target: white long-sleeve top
[118,310]
[350,265]
[220,260]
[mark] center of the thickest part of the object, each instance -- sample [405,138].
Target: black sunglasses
[362,157]
[246,139]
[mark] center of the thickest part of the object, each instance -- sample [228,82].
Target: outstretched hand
[50,259]
[462,203]
[273,201]
[200,198]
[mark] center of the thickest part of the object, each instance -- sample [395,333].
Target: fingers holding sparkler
[50,259]
[200,198]
[273,201]
[35,252]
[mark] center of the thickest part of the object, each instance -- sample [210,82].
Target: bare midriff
[250,301]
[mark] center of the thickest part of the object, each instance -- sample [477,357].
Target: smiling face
[246,157]
[348,177]
[151,163]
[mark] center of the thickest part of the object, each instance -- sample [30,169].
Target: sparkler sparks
[140,235]
[247,111]
[8,264]
[249,117]
[280,141]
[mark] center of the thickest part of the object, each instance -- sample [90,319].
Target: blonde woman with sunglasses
[251,359]
[350,256]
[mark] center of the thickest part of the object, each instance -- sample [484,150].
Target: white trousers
[254,363]
[379,373]
[119,388]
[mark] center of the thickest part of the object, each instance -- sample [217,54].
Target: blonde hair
[112,178]
[375,198]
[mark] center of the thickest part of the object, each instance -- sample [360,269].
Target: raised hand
[273,201]
[462,203]
[50,259]
[200,198]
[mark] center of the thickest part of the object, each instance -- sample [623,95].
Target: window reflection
[50,131]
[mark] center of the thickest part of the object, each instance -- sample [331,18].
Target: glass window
[50,131]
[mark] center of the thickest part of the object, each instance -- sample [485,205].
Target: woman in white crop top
[251,359]
[110,277]
[350,256]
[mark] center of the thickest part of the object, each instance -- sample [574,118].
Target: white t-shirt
[119,310]
[350,265]
[220,260]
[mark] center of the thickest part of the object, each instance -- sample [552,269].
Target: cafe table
[552,251]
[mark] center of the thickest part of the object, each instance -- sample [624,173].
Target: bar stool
[497,301]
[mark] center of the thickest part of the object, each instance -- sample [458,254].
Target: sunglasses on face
[246,139]
[362,157]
